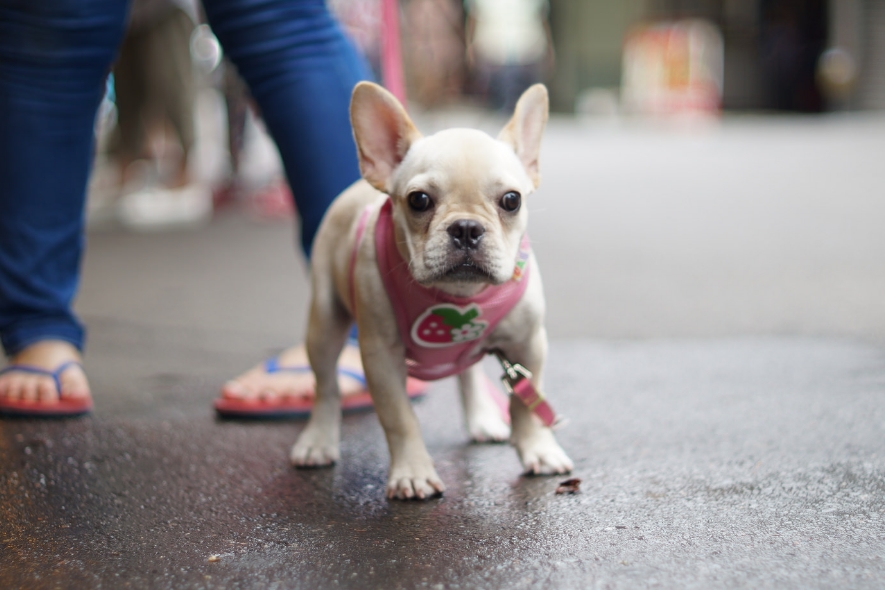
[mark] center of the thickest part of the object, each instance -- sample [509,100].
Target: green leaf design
[455,319]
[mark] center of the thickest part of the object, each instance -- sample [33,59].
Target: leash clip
[513,373]
[517,381]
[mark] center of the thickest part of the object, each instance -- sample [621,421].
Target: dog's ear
[525,128]
[383,132]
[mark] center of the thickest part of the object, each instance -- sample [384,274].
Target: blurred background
[712,182]
[711,167]
[180,136]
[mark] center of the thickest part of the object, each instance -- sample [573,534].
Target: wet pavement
[717,326]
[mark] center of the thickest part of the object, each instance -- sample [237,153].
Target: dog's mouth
[467,271]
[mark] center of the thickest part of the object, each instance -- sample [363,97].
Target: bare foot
[258,383]
[48,355]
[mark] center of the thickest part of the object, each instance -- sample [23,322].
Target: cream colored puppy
[451,204]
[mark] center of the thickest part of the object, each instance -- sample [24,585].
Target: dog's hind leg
[482,413]
[318,444]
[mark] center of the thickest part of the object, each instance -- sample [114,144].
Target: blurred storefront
[776,55]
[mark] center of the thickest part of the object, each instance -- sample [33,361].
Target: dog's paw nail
[418,488]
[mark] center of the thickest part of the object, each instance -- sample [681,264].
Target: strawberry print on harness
[447,324]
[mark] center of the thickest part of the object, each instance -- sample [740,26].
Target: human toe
[237,390]
[74,390]
[73,383]
[45,391]
[269,396]
[28,389]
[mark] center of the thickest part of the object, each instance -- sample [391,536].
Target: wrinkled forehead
[457,158]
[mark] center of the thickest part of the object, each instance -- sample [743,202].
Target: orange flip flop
[62,408]
[300,406]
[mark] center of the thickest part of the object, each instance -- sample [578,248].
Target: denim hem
[17,339]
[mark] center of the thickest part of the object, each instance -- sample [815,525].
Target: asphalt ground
[717,321]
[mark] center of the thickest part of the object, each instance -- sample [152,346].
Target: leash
[517,381]
[391,52]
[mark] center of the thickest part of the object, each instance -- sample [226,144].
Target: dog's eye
[419,201]
[511,201]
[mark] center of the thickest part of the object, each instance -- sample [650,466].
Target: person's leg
[172,74]
[132,95]
[54,58]
[236,102]
[301,70]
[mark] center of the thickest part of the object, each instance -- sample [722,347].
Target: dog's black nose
[466,233]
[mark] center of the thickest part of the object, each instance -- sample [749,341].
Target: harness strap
[360,232]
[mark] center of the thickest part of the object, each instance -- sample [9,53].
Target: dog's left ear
[382,130]
[525,128]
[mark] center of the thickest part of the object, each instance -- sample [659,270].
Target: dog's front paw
[315,448]
[542,455]
[414,480]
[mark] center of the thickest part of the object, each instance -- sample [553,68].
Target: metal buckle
[513,372]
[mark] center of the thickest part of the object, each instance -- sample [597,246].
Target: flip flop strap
[356,376]
[272,365]
[56,374]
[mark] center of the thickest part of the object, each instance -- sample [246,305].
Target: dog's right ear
[383,132]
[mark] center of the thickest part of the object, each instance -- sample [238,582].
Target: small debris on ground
[569,486]
[214,558]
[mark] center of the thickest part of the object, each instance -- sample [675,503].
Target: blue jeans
[54,58]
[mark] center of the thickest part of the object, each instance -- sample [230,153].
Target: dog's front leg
[537,447]
[318,444]
[412,474]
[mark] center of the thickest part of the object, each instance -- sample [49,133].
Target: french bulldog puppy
[419,253]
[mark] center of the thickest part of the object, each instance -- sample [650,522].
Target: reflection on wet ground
[753,462]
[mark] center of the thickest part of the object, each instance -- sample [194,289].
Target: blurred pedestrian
[434,50]
[254,177]
[155,91]
[361,20]
[54,58]
[509,47]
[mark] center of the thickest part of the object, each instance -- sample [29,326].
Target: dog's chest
[442,333]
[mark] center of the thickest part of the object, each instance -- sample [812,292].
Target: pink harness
[440,331]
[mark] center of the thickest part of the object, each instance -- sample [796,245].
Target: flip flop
[300,406]
[63,408]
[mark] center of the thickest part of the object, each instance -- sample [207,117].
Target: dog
[419,252]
